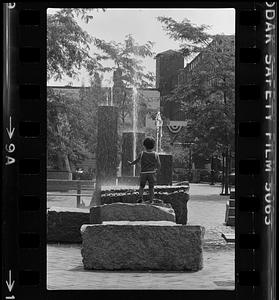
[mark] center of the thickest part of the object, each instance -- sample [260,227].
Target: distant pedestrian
[150,164]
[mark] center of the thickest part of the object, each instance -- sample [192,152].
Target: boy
[150,163]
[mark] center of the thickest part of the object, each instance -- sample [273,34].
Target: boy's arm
[135,161]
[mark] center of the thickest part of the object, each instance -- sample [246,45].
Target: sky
[115,24]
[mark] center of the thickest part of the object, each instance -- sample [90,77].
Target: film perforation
[249,241]
[29,55]
[249,92]
[249,203]
[249,278]
[249,18]
[249,129]
[249,166]
[250,55]
[29,129]
[29,240]
[29,277]
[29,92]
[29,166]
[29,203]
[29,17]
[246,225]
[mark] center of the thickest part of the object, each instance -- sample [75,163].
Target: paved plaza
[205,207]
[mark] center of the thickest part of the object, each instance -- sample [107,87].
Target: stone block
[164,176]
[130,212]
[178,197]
[178,201]
[140,246]
[64,223]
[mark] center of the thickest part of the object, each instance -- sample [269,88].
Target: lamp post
[79,172]
[212,170]
[225,172]
[190,144]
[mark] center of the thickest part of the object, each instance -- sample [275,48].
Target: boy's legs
[151,183]
[141,188]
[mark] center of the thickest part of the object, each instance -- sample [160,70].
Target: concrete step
[231,211]
[230,238]
[231,221]
[232,203]
[232,195]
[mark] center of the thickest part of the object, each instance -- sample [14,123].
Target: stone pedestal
[127,152]
[130,212]
[164,176]
[106,154]
[140,246]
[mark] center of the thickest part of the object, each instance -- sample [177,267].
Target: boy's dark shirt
[150,161]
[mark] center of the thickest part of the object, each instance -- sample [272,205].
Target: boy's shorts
[150,177]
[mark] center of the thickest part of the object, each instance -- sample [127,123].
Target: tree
[129,72]
[127,58]
[68,44]
[69,117]
[65,144]
[207,94]
[72,124]
[91,98]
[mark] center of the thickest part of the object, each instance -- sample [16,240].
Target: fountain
[135,111]
[159,133]
[131,145]
[106,151]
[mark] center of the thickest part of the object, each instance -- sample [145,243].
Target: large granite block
[130,212]
[164,246]
[64,223]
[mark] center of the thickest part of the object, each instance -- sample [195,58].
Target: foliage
[126,57]
[72,123]
[206,94]
[193,38]
[128,70]
[64,144]
[68,44]
[72,120]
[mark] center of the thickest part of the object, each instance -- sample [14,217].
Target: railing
[54,185]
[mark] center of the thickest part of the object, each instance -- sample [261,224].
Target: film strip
[24,184]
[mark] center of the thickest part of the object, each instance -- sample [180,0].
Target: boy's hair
[149,143]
